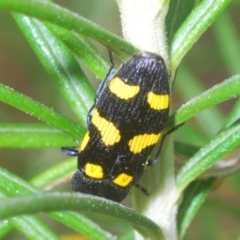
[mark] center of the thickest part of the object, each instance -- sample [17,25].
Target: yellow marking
[123,180]
[122,90]
[138,143]
[93,170]
[84,142]
[109,133]
[158,101]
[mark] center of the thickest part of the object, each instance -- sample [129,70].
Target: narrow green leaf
[193,27]
[64,18]
[38,110]
[32,135]
[223,143]
[33,228]
[55,174]
[177,13]
[60,64]
[82,48]
[30,226]
[194,196]
[5,227]
[221,92]
[12,186]
[205,118]
[55,201]
[80,223]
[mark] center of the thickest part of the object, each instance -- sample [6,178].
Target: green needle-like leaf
[221,92]
[60,64]
[30,226]
[177,13]
[193,27]
[55,201]
[64,18]
[223,143]
[13,186]
[55,174]
[32,135]
[193,198]
[38,110]
[83,48]
[5,227]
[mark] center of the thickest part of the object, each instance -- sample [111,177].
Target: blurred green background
[206,62]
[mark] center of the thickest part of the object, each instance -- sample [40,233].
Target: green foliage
[59,37]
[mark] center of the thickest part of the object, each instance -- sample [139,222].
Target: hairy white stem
[143,24]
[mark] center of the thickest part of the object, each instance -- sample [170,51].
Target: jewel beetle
[125,123]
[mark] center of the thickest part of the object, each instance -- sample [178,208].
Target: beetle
[125,123]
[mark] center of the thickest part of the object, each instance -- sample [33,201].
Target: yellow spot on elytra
[158,101]
[109,133]
[84,142]
[123,180]
[139,142]
[123,90]
[93,170]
